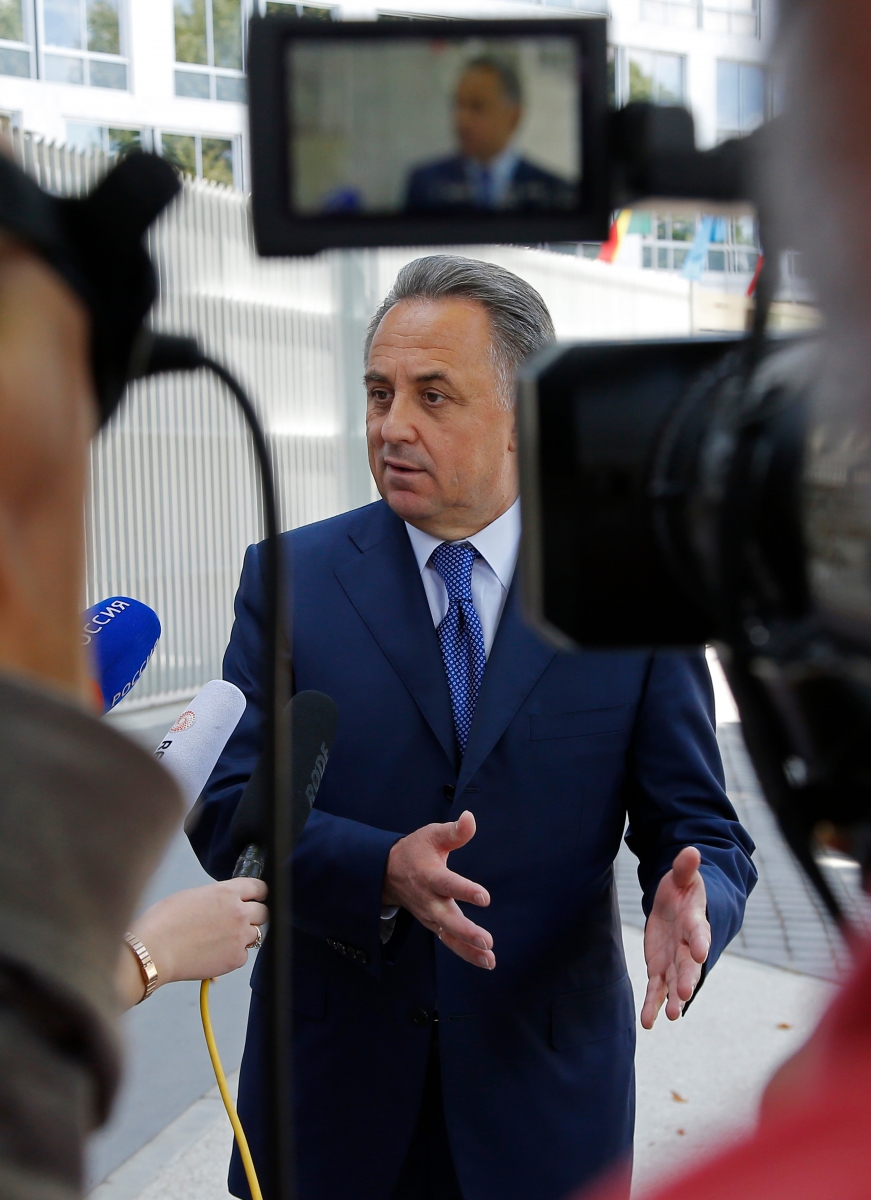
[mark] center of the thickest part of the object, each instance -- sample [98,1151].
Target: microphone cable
[160,353]
[223,1088]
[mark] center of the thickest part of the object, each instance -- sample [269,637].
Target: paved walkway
[785,923]
[699,1082]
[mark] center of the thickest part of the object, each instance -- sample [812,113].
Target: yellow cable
[241,1140]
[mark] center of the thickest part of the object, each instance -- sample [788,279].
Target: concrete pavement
[699,1082]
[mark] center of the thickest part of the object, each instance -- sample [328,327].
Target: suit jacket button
[420,1016]
[449,791]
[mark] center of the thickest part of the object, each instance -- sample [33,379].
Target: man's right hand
[417,878]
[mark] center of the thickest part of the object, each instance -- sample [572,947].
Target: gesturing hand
[677,938]
[417,879]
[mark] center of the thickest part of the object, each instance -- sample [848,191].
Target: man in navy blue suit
[437,1056]
[487,172]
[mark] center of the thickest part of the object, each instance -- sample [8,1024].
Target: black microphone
[311,719]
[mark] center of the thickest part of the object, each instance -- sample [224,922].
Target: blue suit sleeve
[338,864]
[676,794]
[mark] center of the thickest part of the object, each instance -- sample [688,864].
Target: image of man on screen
[488,171]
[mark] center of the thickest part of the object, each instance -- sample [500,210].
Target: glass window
[104,30]
[287,8]
[181,150]
[14,62]
[102,137]
[188,83]
[191,40]
[11,21]
[741,98]
[63,23]
[62,68]
[92,29]
[208,33]
[16,53]
[683,13]
[667,239]
[731,16]
[231,87]
[655,77]
[227,22]
[201,157]
[217,160]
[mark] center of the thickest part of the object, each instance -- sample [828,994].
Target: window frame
[86,56]
[691,6]
[28,24]
[723,8]
[653,248]
[235,140]
[621,55]
[724,133]
[210,70]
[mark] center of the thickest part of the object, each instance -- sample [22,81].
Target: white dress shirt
[497,545]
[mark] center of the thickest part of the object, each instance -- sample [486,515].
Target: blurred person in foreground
[487,171]
[813,1140]
[84,813]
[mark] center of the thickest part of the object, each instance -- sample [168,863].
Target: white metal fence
[175,496]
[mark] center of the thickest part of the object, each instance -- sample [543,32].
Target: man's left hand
[677,938]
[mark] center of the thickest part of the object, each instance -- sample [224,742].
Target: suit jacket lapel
[517,661]
[384,585]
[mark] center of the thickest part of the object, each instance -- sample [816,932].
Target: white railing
[175,497]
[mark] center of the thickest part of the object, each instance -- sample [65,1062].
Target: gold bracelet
[146,965]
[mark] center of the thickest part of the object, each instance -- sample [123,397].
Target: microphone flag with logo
[194,743]
[121,634]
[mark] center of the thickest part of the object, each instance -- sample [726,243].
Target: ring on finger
[258,940]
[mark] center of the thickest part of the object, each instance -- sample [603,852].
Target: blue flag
[697,259]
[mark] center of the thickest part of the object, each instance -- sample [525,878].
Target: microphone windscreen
[122,634]
[312,718]
[194,742]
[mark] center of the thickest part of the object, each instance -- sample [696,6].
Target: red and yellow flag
[619,226]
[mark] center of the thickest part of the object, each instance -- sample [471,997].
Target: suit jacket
[537,1055]
[443,184]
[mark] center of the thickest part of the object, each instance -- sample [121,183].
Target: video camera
[675,492]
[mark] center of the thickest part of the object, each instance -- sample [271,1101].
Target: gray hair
[519,321]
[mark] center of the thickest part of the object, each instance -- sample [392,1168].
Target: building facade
[169,75]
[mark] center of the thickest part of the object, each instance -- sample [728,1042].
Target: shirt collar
[497,543]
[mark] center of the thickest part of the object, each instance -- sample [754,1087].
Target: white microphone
[194,743]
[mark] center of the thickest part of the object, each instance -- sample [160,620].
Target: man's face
[441,448]
[484,118]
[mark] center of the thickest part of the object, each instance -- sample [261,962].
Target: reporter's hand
[417,879]
[196,934]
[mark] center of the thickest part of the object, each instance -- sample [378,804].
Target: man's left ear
[512,440]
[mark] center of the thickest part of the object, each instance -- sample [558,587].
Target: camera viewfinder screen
[417,125]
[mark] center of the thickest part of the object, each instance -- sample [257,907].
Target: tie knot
[454,561]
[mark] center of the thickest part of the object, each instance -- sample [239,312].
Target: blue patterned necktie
[460,634]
